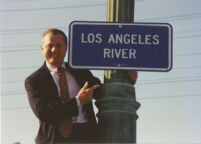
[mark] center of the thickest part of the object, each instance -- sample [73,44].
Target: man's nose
[54,49]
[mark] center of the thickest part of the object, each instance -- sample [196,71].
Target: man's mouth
[54,56]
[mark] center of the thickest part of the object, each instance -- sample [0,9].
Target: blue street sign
[120,46]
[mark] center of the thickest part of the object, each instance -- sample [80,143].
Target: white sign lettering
[128,39]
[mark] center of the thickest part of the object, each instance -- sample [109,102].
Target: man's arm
[86,94]
[92,81]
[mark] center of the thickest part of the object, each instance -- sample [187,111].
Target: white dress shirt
[73,89]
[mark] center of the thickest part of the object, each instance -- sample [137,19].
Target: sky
[170,109]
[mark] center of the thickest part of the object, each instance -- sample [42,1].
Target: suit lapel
[50,84]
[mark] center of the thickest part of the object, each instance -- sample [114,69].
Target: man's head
[54,46]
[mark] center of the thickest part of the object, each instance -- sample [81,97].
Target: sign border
[170,33]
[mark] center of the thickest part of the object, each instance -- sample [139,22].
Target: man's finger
[85,85]
[94,87]
[88,90]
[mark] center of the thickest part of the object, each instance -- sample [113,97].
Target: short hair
[54,31]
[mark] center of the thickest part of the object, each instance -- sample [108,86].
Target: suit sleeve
[46,108]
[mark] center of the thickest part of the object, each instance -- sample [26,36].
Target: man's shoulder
[81,72]
[83,75]
[37,74]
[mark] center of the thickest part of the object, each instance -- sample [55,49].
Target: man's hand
[85,94]
[133,76]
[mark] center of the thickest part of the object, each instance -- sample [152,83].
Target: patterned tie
[65,126]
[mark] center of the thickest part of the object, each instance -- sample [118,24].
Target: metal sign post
[117,104]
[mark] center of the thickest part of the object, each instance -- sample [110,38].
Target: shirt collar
[52,68]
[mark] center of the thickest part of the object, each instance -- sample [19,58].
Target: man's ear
[41,46]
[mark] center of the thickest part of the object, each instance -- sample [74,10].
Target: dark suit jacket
[45,102]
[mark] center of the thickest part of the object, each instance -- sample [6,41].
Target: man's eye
[58,46]
[49,46]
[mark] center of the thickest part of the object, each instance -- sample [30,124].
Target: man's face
[54,49]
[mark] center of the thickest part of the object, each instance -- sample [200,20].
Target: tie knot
[61,69]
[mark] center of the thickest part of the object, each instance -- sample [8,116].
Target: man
[61,97]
